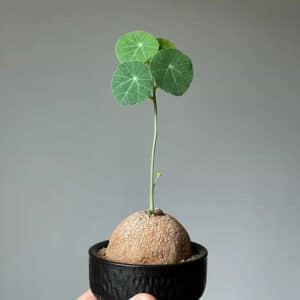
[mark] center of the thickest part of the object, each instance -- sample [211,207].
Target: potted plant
[149,251]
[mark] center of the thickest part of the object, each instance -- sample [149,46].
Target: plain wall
[73,163]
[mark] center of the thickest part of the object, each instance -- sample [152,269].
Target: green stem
[152,183]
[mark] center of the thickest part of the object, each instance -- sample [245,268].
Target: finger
[142,297]
[88,295]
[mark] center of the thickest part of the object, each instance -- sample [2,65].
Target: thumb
[142,297]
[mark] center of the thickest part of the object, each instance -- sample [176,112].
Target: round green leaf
[136,46]
[172,71]
[165,44]
[131,83]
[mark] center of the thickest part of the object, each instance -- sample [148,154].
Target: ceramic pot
[117,281]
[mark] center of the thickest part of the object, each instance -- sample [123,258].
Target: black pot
[118,281]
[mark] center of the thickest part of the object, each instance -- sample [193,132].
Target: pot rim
[93,250]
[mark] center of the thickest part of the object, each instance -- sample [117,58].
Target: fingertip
[88,295]
[92,297]
[143,296]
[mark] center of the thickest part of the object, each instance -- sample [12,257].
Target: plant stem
[152,183]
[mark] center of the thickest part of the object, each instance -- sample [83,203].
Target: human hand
[88,295]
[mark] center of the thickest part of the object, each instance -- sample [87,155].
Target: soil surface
[102,253]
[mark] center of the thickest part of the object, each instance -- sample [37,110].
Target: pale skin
[88,295]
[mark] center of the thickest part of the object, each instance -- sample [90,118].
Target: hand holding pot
[88,295]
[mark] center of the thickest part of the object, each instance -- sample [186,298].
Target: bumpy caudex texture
[146,64]
[144,238]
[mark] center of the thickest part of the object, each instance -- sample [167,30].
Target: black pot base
[117,281]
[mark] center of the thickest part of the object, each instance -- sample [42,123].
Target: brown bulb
[144,238]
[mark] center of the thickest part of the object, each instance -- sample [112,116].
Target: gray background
[73,163]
